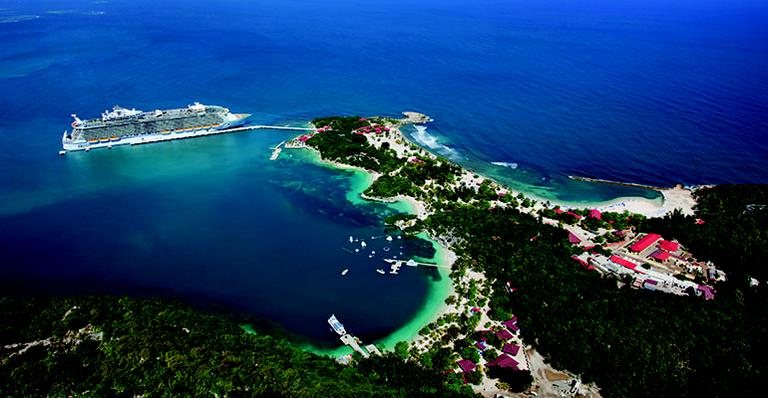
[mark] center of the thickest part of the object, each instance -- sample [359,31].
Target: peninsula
[533,279]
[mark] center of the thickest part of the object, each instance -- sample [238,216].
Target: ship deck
[153,138]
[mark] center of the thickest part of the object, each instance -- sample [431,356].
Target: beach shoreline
[435,305]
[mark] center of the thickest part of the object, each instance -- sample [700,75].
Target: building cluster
[511,355]
[654,263]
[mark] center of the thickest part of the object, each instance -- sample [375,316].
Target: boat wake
[430,141]
[505,164]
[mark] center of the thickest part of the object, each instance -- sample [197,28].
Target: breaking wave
[505,164]
[430,141]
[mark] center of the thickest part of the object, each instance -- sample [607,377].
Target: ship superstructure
[131,126]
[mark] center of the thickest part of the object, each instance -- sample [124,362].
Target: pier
[396,264]
[276,151]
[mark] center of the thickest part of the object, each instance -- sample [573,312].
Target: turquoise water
[649,92]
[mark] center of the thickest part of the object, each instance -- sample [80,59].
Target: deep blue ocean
[656,92]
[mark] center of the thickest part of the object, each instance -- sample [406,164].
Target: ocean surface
[529,92]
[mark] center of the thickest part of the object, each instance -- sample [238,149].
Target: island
[634,298]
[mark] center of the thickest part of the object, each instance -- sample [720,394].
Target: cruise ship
[122,126]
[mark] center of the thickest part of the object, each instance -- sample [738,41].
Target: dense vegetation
[339,144]
[633,343]
[734,234]
[107,346]
[399,176]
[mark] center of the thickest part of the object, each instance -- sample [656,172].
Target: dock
[276,151]
[351,341]
[396,264]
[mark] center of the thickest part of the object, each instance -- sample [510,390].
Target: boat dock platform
[276,151]
[396,264]
[352,341]
[152,138]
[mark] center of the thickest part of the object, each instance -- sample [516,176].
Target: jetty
[610,182]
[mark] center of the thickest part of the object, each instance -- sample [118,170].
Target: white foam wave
[506,164]
[17,18]
[430,141]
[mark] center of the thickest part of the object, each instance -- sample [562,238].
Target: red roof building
[660,255]
[511,349]
[708,292]
[504,361]
[558,211]
[572,238]
[623,262]
[466,365]
[596,214]
[669,246]
[505,334]
[510,321]
[645,242]
[574,215]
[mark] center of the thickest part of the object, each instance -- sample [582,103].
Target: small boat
[389,238]
[399,237]
[87,149]
[381,271]
[345,271]
[357,250]
[373,251]
[336,325]
[362,244]
[62,152]
[351,240]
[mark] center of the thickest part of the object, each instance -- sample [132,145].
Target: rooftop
[645,242]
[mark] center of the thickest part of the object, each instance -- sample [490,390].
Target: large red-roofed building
[645,242]
[669,245]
